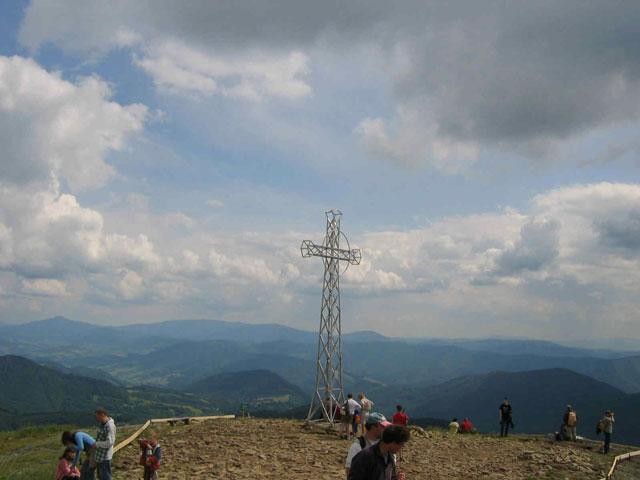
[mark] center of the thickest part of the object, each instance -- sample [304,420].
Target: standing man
[350,407]
[506,418]
[105,440]
[376,423]
[570,422]
[377,462]
[367,406]
[607,428]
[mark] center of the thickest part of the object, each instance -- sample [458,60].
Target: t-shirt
[355,448]
[454,427]
[505,411]
[400,418]
[352,405]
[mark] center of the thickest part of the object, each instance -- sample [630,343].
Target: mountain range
[216,365]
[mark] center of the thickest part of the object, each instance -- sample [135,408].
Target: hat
[376,418]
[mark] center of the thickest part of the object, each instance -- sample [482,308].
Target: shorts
[347,418]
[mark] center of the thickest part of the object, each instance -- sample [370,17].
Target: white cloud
[49,126]
[44,286]
[179,68]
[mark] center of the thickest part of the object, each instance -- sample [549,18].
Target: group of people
[354,414]
[465,427]
[98,452]
[569,427]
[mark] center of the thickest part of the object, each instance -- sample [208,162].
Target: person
[366,407]
[81,442]
[506,417]
[349,408]
[466,426]
[607,427]
[150,456]
[400,417]
[376,423]
[454,426]
[569,423]
[66,470]
[377,461]
[105,440]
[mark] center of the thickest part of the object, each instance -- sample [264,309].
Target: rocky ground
[285,449]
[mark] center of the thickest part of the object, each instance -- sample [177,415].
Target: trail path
[282,449]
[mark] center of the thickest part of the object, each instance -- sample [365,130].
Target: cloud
[49,126]
[463,77]
[536,247]
[179,68]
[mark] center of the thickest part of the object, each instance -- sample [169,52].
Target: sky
[163,160]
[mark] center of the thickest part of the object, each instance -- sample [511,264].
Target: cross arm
[310,249]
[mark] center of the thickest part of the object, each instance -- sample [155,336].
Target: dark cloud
[495,73]
[621,233]
[536,248]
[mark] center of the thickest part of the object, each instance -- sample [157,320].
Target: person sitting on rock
[454,426]
[376,423]
[377,461]
[466,426]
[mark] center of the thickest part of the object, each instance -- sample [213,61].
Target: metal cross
[329,391]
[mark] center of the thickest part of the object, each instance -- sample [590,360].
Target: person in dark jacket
[506,417]
[378,462]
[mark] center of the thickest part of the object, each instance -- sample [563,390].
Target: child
[150,456]
[65,471]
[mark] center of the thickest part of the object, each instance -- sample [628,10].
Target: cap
[376,418]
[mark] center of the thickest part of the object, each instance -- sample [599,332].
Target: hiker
[454,426]
[569,422]
[400,417]
[378,462]
[376,423]
[506,418]
[466,426]
[366,407]
[65,470]
[81,442]
[105,440]
[606,425]
[150,456]
[347,413]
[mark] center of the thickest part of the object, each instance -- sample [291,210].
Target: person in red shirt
[400,417]
[466,426]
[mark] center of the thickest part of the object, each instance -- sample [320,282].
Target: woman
[79,442]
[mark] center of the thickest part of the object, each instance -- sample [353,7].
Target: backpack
[599,427]
[572,419]
[363,442]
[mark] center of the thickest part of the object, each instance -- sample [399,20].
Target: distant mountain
[33,394]
[538,397]
[260,389]
[393,362]
[218,330]
[176,353]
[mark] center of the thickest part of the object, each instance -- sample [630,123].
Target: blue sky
[164,161]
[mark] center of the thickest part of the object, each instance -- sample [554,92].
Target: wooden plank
[137,433]
[200,419]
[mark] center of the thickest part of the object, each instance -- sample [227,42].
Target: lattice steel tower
[329,391]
